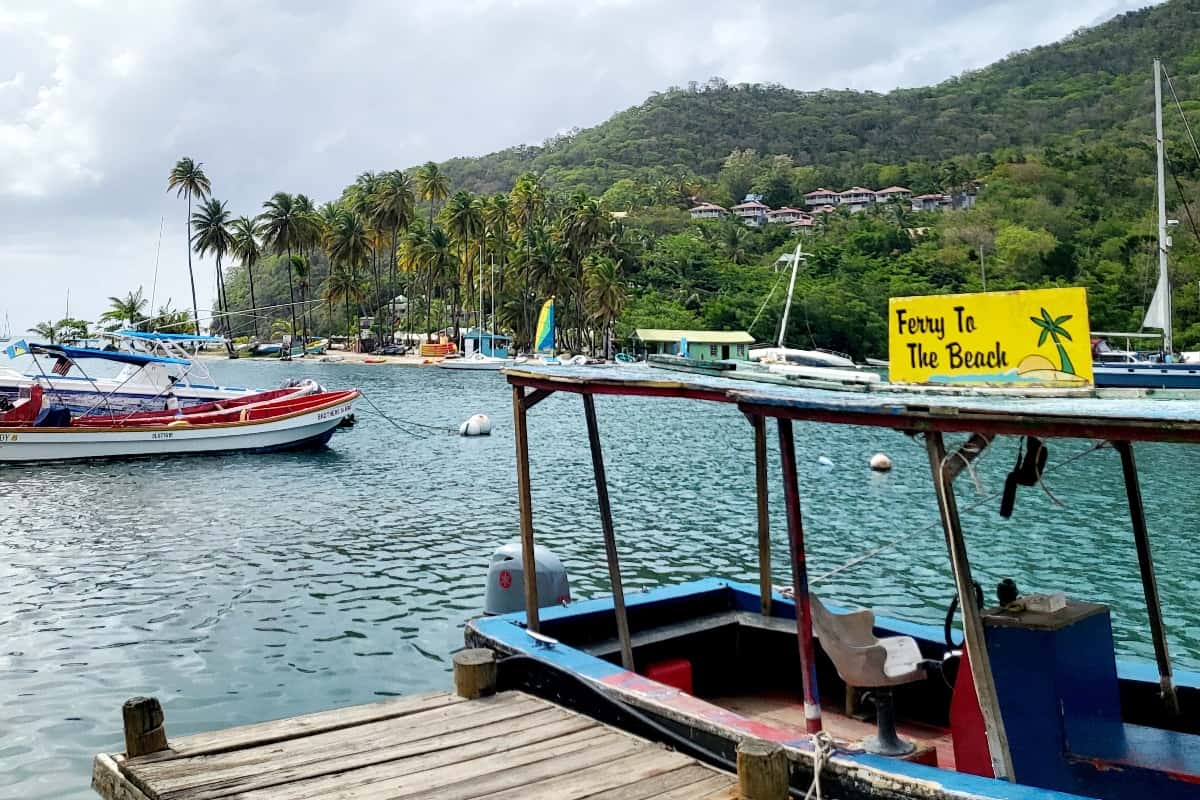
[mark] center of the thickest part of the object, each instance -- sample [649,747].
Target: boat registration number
[334,412]
[7,437]
[162,435]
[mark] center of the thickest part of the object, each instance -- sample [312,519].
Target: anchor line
[399,424]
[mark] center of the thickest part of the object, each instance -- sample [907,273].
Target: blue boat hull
[1147,376]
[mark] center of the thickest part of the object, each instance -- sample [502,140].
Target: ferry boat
[1033,705]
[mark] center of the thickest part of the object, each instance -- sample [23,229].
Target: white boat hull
[481,363]
[824,373]
[309,427]
[792,355]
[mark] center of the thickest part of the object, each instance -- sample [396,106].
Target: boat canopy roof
[152,336]
[119,356]
[1114,419]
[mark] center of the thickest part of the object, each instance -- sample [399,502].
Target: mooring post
[610,538]
[764,514]
[1141,539]
[804,632]
[762,770]
[525,501]
[143,722]
[475,673]
[981,664]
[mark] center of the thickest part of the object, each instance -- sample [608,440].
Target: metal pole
[610,539]
[525,499]
[1164,282]
[1141,538]
[981,664]
[764,515]
[982,268]
[804,635]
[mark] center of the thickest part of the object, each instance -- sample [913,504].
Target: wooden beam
[525,501]
[762,770]
[981,664]
[804,633]
[764,513]
[1141,539]
[144,731]
[610,539]
[536,396]
[475,673]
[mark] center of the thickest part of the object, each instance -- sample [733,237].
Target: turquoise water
[242,588]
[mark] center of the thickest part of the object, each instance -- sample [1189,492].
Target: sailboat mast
[787,307]
[1164,281]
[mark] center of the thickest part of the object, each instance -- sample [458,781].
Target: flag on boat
[17,348]
[543,338]
[61,366]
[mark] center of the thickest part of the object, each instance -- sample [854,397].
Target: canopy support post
[525,500]
[1141,538]
[804,633]
[764,515]
[610,539]
[981,664]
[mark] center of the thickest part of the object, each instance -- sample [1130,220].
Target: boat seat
[865,661]
[860,657]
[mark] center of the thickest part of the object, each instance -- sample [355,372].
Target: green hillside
[1093,84]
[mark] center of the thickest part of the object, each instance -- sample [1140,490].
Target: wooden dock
[433,746]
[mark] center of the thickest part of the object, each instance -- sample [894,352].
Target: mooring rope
[399,424]
[937,522]
[823,748]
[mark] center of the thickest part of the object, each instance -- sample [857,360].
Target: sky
[99,99]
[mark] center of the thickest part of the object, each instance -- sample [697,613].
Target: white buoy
[476,425]
[880,462]
[825,461]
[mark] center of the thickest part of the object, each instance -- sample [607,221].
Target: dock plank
[432,747]
[304,725]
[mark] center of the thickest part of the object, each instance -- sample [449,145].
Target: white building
[856,198]
[751,212]
[786,215]
[893,193]
[821,197]
[708,211]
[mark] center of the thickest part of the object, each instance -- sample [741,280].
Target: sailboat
[813,364]
[1153,374]
[479,360]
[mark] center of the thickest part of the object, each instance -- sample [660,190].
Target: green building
[701,345]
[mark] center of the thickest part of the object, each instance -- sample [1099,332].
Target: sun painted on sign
[988,339]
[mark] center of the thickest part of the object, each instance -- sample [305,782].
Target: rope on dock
[937,522]
[399,424]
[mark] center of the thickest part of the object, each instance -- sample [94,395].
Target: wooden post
[610,538]
[475,673]
[804,632]
[144,731]
[762,770]
[1141,539]
[764,515]
[525,500]
[981,665]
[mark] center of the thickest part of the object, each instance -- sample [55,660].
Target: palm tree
[284,225]
[301,269]
[528,200]
[496,213]
[584,224]
[171,320]
[437,258]
[211,222]
[606,294]
[392,208]
[129,310]
[342,287]
[433,186]
[47,330]
[464,221]
[349,245]
[1052,327]
[187,178]
[246,248]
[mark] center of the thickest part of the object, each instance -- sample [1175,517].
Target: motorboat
[143,381]
[279,420]
[475,361]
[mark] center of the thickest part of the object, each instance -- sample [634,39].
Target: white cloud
[97,100]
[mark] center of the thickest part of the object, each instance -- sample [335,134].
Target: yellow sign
[1038,337]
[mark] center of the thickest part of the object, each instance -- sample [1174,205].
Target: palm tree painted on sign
[187,178]
[1052,327]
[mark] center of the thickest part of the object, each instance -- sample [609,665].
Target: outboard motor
[506,580]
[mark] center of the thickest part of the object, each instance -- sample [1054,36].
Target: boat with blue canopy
[1033,704]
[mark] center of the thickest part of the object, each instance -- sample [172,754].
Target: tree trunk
[191,276]
[253,301]
[291,291]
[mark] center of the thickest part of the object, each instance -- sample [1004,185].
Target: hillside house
[897,193]
[931,202]
[786,215]
[821,197]
[751,212]
[856,198]
[708,211]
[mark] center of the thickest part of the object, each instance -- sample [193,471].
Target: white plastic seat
[861,658]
